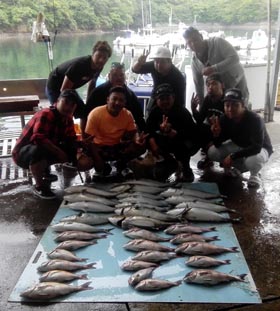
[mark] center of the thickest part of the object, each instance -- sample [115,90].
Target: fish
[211,206]
[78,235]
[140,194]
[176,199]
[145,212]
[155,284]
[87,197]
[147,189]
[140,205]
[64,254]
[154,256]
[58,264]
[119,189]
[88,218]
[144,200]
[138,245]
[205,262]
[61,276]
[211,277]
[203,248]
[190,192]
[137,233]
[148,183]
[77,226]
[201,214]
[140,275]
[50,290]
[190,237]
[91,190]
[185,228]
[135,265]
[74,244]
[90,207]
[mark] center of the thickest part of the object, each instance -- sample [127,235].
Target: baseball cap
[233,95]
[214,77]
[162,52]
[164,89]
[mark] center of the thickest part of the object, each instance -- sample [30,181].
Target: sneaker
[254,181]
[44,193]
[232,172]
[204,163]
[50,178]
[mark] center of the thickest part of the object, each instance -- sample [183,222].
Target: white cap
[162,52]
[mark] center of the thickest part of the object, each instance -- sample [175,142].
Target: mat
[110,283]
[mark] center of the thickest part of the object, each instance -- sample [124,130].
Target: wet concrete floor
[24,218]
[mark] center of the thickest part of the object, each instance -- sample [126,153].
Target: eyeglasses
[117,65]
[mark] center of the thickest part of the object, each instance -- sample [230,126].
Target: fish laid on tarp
[61,276]
[140,275]
[58,264]
[147,189]
[49,290]
[91,190]
[135,265]
[137,233]
[145,212]
[155,284]
[210,206]
[138,221]
[146,205]
[140,194]
[191,237]
[205,262]
[203,248]
[90,207]
[74,244]
[148,183]
[189,192]
[176,199]
[185,228]
[87,197]
[144,200]
[201,214]
[211,277]
[138,245]
[88,218]
[154,256]
[119,189]
[78,235]
[64,254]
[77,226]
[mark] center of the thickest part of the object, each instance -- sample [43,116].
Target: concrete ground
[24,218]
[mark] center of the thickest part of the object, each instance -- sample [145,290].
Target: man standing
[215,55]
[163,71]
[172,135]
[240,139]
[49,138]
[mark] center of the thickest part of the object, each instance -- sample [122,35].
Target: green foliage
[89,15]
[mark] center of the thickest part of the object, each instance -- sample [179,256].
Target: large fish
[88,218]
[74,244]
[201,214]
[154,256]
[50,290]
[147,189]
[205,262]
[87,197]
[211,277]
[58,264]
[206,205]
[191,237]
[155,284]
[176,199]
[137,233]
[185,228]
[140,194]
[91,190]
[146,205]
[77,226]
[148,183]
[64,254]
[138,245]
[144,200]
[203,248]
[135,265]
[61,276]
[78,235]
[91,207]
[119,189]
[140,275]
[190,192]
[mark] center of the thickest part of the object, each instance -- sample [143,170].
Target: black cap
[214,77]
[162,90]
[233,95]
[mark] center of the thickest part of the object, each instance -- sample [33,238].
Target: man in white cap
[163,71]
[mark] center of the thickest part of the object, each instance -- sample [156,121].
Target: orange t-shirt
[106,129]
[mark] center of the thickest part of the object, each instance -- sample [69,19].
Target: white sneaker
[254,181]
[232,172]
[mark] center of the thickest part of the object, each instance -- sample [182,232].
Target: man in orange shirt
[114,134]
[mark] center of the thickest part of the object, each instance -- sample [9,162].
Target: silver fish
[64,254]
[137,233]
[91,207]
[201,214]
[58,264]
[138,245]
[78,235]
[49,290]
[144,200]
[210,206]
[189,192]
[176,199]
[76,226]
[190,237]
[140,275]
[88,218]
[140,205]
[205,262]
[211,277]
[135,265]
[61,276]
[119,189]
[203,248]
[154,256]
[147,189]
[74,244]
[91,190]
[155,284]
[87,197]
[185,228]
[148,183]
[140,194]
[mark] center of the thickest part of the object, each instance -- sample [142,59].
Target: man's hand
[141,139]
[165,126]
[227,163]
[207,71]
[195,102]
[215,126]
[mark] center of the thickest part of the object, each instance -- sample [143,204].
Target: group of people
[114,128]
